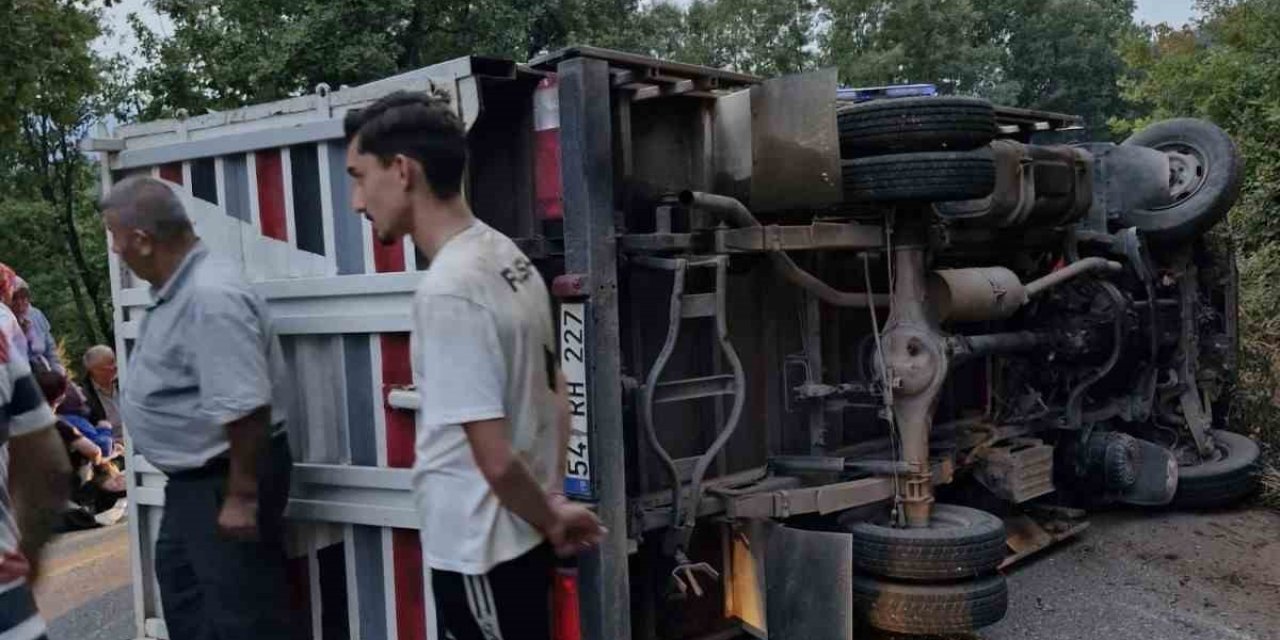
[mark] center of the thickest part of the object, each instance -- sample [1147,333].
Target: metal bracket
[823,499]
[1198,418]
[323,104]
[814,237]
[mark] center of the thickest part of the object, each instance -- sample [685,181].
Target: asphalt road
[1165,576]
[86,592]
[1132,575]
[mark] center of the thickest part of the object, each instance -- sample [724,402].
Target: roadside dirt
[1162,575]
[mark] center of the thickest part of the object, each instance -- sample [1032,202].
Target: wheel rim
[1188,171]
[1188,455]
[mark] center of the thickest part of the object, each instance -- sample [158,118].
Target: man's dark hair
[419,125]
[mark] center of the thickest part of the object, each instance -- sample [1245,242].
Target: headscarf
[8,283]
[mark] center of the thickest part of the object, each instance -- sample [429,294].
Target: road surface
[1132,575]
[86,592]
[1165,576]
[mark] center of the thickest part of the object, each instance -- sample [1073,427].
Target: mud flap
[809,584]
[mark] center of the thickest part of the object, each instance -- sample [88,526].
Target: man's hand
[13,565]
[249,436]
[88,449]
[576,528]
[238,519]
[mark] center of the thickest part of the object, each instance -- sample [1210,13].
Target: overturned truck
[837,357]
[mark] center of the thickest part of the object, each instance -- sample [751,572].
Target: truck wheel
[959,543]
[1232,474]
[1205,171]
[936,176]
[928,609]
[915,124]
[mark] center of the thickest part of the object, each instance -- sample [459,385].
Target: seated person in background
[41,347]
[97,483]
[74,411]
[101,390]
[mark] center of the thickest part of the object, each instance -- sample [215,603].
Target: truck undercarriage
[967,328]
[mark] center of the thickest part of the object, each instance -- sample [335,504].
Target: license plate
[577,473]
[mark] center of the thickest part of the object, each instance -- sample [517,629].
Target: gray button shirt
[206,355]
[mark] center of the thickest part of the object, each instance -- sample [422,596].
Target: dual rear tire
[917,149]
[934,580]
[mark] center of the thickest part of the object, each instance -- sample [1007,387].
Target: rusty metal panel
[794,141]
[731,152]
[745,573]
[809,585]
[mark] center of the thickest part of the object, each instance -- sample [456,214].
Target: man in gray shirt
[204,396]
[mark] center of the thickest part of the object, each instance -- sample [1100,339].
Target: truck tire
[937,176]
[915,124]
[1204,182]
[930,609]
[959,543]
[1231,476]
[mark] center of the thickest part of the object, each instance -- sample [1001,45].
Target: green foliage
[1059,55]
[877,42]
[56,88]
[752,36]
[33,244]
[227,54]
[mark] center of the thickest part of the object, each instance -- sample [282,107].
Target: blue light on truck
[863,94]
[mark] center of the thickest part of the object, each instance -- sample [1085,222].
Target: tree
[877,42]
[227,54]
[60,88]
[761,37]
[1058,55]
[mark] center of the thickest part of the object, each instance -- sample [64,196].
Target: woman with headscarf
[35,326]
[8,285]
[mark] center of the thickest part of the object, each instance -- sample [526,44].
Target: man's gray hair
[145,203]
[95,354]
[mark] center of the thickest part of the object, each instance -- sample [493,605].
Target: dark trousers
[18,617]
[213,588]
[511,602]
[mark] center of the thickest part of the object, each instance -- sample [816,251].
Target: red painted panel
[406,548]
[548,203]
[299,576]
[388,257]
[411,616]
[270,175]
[546,173]
[397,372]
[565,624]
[171,172]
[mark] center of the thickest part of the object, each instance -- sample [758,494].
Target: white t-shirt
[483,348]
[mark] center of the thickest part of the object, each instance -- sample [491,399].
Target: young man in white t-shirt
[493,424]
